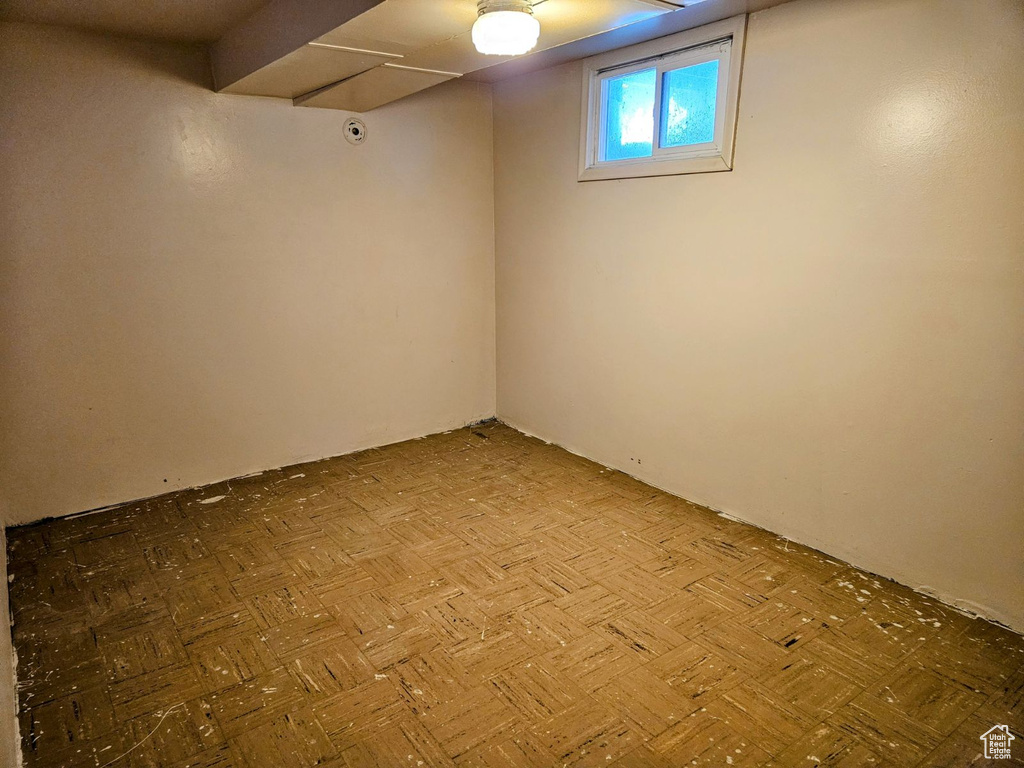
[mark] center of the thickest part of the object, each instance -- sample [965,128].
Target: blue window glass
[689,97]
[629,115]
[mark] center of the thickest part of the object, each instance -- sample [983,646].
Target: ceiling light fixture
[505,27]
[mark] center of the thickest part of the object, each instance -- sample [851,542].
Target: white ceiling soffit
[429,35]
[385,33]
[384,50]
[278,29]
[374,88]
[451,53]
[307,69]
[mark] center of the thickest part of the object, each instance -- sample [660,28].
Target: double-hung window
[663,107]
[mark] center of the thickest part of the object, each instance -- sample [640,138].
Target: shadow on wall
[182,62]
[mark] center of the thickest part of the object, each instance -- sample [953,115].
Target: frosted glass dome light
[505,27]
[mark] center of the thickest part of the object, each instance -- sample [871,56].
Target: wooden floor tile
[963,748]
[593,660]
[430,679]
[593,605]
[825,746]
[535,689]
[644,701]
[254,702]
[395,643]
[293,738]
[152,647]
[357,714]
[928,697]
[747,649]
[233,660]
[511,752]
[809,684]
[703,740]
[545,627]
[586,735]
[642,634]
[557,578]
[328,669]
[61,724]
[174,736]
[494,651]
[370,611]
[474,718]
[278,606]
[406,743]
[296,637]
[885,731]
[696,672]
[757,712]
[152,691]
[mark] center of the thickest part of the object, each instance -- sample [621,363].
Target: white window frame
[722,40]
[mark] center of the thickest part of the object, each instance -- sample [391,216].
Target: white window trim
[679,49]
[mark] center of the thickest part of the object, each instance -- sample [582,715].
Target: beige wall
[196,286]
[827,341]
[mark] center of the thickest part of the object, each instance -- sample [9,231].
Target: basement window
[663,107]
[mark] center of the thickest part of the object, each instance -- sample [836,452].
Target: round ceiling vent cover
[355,130]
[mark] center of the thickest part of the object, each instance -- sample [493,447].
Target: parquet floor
[479,598]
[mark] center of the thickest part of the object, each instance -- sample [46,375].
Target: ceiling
[398,47]
[356,55]
[196,21]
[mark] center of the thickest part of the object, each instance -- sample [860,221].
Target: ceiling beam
[277,29]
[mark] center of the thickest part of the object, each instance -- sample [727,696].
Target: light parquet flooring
[479,598]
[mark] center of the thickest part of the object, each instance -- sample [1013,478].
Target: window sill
[647,167]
